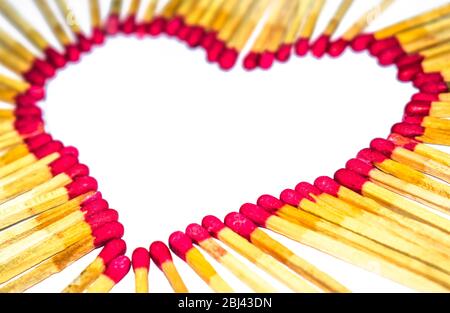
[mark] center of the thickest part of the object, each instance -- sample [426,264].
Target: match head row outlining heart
[98,225]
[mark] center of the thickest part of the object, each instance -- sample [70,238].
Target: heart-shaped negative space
[172,138]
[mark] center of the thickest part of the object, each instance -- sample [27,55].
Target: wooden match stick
[191,18]
[22,132]
[302,45]
[145,25]
[110,251]
[182,246]
[23,87]
[354,36]
[422,134]
[18,257]
[128,25]
[347,237]
[72,53]
[247,229]
[424,81]
[44,197]
[49,267]
[98,35]
[201,237]
[331,187]
[25,148]
[336,248]
[420,149]
[161,256]
[112,23]
[359,184]
[10,13]
[83,43]
[438,109]
[419,56]
[427,121]
[255,255]
[322,43]
[205,22]
[168,13]
[141,264]
[117,269]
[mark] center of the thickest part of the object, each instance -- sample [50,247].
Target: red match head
[378,46]
[83,43]
[302,46]
[228,58]
[38,141]
[255,213]
[56,59]
[350,179]
[195,36]
[251,61]
[94,206]
[284,52]
[434,87]
[62,164]
[212,224]
[29,127]
[383,146]
[174,25]
[418,108]
[389,56]
[412,119]
[291,197]
[101,218]
[128,26]
[360,167]
[420,96]
[180,244]
[183,32]
[307,190]
[197,233]
[371,156]
[327,185]
[208,40]
[266,60]
[157,26]
[36,92]
[407,130]
[215,51]
[44,67]
[408,73]
[160,253]
[240,224]
[140,258]
[362,42]
[336,48]
[112,24]
[35,77]
[78,170]
[81,185]
[424,78]
[105,233]
[97,195]
[98,36]
[72,53]
[69,150]
[404,142]
[28,112]
[320,46]
[118,268]
[408,60]
[112,249]
[48,148]
[269,203]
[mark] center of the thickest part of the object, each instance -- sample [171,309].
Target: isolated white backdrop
[171,138]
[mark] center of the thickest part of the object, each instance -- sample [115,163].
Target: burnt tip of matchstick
[48,148]
[307,189]
[350,179]
[213,225]
[362,42]
[37,141]
[423,78]
[77,170]
[81,185]
[302,46]
[180,244]
[195,36]
[418,108]
[434,87]
[160,253]
[407,130]
[140,258]
[44,67]
[409,59]
[291,197]
[157,26]
[266,60]
[371,156]
[36,92]
[383,146]
[62,164]
[215,51]
[390,55]
[403,142]
[228,59]
[29,127]
[112,24]
[327,185]
[55,58]
[118,268]
[378,46]
[107,232]
[98,36]
[101,218]
[337,47]
[208,40]
[28,111]
[72,53]
[359,166]
[408,73]
[240,224]
[320,46]
[251,61]
[255,213]
[283,53]
[197,233]
[83,43]
[269,203]
[174,25]
[129,25]
[112,249]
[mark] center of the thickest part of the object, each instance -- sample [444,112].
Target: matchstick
[117,269]
[128,25]
[201,237]
[22,131]
[110,251]
[302,44]
[439,109]
[112,23]
[205,22]
[23,87]
[161,256]
[182,246]
[255,255]
[25,148]
[145,24]
[141,264]
[98,34]
[422,134]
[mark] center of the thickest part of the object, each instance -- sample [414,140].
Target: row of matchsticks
[378,210]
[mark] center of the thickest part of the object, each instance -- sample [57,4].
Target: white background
[171,138]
